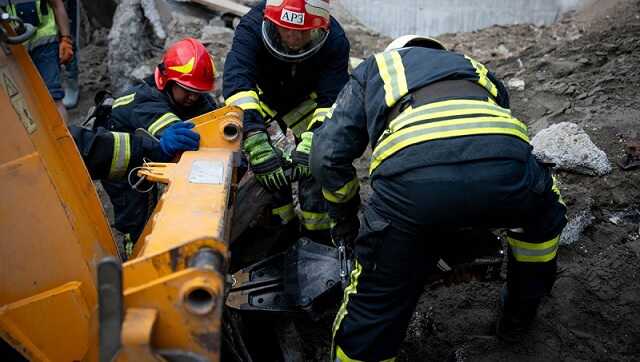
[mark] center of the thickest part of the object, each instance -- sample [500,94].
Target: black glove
[346,223]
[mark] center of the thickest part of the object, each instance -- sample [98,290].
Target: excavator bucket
[63,287]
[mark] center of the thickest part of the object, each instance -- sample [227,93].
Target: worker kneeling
[447,154]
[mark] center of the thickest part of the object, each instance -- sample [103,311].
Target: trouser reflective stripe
[534,252]
[342,312]
[286,213]
[319,116]
[412,135]
[315,220]
[121,154]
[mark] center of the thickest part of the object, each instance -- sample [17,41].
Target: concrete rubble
[569,147]
[142,29]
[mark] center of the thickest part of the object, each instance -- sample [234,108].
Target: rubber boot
[515,317]
[71,93]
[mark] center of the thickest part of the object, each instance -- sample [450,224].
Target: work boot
[71,93]
[514,318]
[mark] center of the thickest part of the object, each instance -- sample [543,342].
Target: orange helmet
[301,15]
[187,63]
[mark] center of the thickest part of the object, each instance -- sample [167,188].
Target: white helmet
[414,41]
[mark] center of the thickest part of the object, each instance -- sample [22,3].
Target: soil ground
[583,69]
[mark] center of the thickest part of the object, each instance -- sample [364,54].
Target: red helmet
[301,15]
[187,63]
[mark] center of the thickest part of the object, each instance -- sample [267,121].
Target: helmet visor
[292,45]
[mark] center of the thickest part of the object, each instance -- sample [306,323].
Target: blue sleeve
[340,139]
[240,71]
[335,74]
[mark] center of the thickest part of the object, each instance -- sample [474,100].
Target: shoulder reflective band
[444,109]
[121,154]
[124,100]
[534,252]
[393,77]
[483,79]
[162,122]
[412,135]
[246,100]
[343,194]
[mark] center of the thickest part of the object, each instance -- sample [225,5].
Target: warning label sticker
[17,100]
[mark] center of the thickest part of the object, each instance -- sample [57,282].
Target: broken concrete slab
[143,29]
[569,147]
[575,227]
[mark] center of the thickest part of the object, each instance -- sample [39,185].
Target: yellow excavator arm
[64,293]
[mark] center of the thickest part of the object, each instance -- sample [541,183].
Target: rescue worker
[111,155]
[177,91]
[52,43]
[287,64]
[447,154]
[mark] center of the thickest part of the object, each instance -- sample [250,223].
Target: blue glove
[179,137]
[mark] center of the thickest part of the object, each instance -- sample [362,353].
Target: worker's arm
[62,19]
[240,71]
[112,155]
[341,139]
[334,75]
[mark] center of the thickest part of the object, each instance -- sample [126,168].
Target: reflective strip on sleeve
[343,194]
[534,252]
[483,79]
[316,220]
[121,154]
[246,100]
[556,190]
[162,122]
[123,101]
[318,116]
[286,213]
[396,141]
[392,74]
[445,109]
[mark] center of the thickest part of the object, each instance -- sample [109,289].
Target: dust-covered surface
[583,69]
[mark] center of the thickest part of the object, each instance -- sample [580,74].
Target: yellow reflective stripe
[342,357]
[121,154]
[315,220]
[343,194]
[318,116]
[483,79]
[246,100]
[348,291]
[124,100]
[392,74]
[445,129]
[286,212]
[534,252]
[556,190]
[267,110]
[443,109]
[162,122]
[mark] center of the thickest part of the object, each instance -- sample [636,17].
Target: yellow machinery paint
[54,235]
